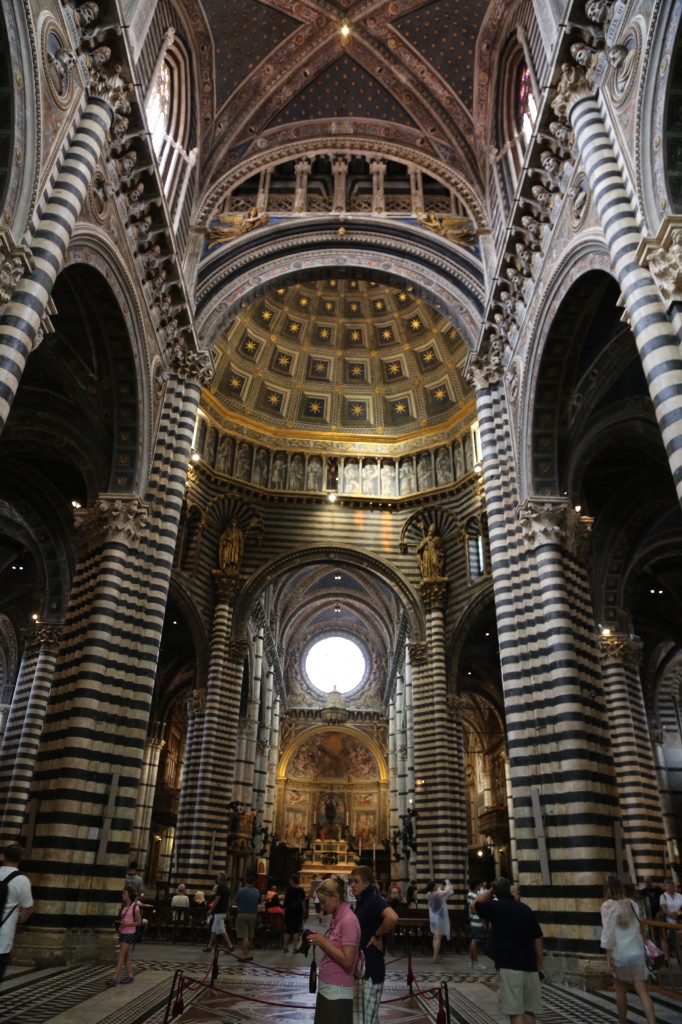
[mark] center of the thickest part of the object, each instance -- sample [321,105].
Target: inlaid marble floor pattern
[79,995]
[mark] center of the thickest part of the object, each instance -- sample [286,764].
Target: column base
[578,971]
[57,947]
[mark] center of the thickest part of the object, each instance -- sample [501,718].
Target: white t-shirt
[671,904]
[19,896]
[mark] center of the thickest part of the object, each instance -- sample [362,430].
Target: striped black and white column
[139,840]
[203,822]
[564,807]
[654,334]
[635,770]
[21,318]
[439,785]
[86,779]
[21,739]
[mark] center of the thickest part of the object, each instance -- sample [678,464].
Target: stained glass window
[526,107]
[158,108]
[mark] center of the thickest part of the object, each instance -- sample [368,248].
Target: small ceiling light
[480,853]
[337,609]
[332,496]
[75,504]
[578,508]
[35,617]
[345,32]
[337,576]
[195,457]
[606,632]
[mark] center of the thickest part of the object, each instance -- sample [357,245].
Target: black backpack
[4,892]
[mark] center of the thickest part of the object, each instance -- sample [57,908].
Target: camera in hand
[304,944]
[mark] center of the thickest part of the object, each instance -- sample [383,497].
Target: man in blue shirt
[247,899]
[517,945]
[376,920]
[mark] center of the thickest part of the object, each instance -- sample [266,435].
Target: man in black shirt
[517,943]
[652,894]
[376,920]
[220,908]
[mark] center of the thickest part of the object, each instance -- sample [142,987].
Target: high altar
[332,799]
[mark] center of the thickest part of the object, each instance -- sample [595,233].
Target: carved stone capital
[434,592]
[195,367]
[487,367]
[663,257]
[111,88]
[196,703]
[579,532]
[42,634]
[620,649]
[575,83]
[227,585]
[544,520]
[237,648]
[15,262]
[456,706]
[113,518]
[418,651]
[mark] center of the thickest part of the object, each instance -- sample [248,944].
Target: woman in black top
[294,902]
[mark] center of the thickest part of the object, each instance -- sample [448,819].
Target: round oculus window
[335,663]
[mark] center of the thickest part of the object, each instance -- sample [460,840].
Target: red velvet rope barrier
[195,984]
[430,993]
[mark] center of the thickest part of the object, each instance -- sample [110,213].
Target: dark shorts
[128,940]
[293,921]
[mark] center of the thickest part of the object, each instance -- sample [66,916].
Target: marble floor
[274,987]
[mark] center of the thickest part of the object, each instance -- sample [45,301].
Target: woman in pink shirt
[340,947]
[129,920]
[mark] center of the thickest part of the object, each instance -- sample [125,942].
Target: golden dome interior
[343,356]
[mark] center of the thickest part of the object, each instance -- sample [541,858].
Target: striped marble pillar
[654,334]
[564,807]
[209,782]
[139,840]
[25,724]
[20,319]
[183,851]
[440,788]
[393,811]
[262,683]
[635,769]
[272,762]
[244,770]
[567,705]
[17,710]
[86,779]
[260,772]
[408,733]
[460,853]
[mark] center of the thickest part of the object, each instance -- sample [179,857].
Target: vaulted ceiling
[405,71]
[409,82]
